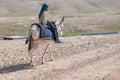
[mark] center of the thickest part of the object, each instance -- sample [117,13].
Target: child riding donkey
[45,31]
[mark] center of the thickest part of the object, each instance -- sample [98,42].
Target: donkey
[35,41]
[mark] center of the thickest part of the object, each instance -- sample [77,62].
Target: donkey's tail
[26,41]
[30,39]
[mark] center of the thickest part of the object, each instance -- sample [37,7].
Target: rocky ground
[94,57]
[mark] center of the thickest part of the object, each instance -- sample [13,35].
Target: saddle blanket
[44,32]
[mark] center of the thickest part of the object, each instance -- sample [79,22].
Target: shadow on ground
[14,68]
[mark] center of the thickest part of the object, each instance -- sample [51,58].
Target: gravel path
[78,58]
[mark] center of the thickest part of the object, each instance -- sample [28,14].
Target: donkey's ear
[63,18]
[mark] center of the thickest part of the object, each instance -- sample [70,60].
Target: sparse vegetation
[66,34]
[111,28]
[86,10]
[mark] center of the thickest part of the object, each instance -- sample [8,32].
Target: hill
[81,16]
[64,7]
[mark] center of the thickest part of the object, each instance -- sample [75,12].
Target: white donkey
[35,41]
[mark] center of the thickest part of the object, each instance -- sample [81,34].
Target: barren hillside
[81,16]
[64,7]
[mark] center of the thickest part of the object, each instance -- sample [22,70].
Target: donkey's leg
[30,55]
[44,54]
[32,63]
[51,55]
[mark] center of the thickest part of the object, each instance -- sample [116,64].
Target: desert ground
[82,57]
[79,57]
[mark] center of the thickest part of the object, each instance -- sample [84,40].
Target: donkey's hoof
[43,63]
[32,65]
[30,62]
[52,59]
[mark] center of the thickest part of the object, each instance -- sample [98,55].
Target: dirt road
[78,58]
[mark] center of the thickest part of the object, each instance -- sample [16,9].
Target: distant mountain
[64,7]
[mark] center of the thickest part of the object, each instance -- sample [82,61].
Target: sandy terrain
[94,57]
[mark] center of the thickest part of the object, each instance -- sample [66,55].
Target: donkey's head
[59,24]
